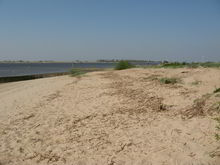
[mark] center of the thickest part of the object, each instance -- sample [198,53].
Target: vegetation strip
[186,65]
[124,65]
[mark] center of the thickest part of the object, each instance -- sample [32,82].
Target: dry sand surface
[112,118]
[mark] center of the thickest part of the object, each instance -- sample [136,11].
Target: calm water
[19,69]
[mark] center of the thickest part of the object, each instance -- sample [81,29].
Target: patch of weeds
[203,98]
[196,83]
[162,107]
[76,72]
[216,90]
[172,80]
[124,65]
[197,108]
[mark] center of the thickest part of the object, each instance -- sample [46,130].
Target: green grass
[216,90]
[124,65]
[166,80]
[76,72]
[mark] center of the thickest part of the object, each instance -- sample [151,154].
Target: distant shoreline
[28,62]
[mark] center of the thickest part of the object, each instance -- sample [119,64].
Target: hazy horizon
[65,30]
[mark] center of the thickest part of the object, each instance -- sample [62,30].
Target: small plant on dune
[198,107]
[166,80]
[217,90]
[196,82]
[217,136]
[124,65]
[76,72]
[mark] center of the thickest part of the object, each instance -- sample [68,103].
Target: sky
[67,30]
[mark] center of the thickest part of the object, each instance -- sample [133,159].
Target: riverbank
[45,75]
[135,116]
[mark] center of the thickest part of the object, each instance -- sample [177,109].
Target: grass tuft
[216,90]
[166,80]
[124,65]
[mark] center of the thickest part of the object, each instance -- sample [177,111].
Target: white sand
[111,117]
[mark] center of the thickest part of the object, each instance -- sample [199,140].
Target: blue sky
[62,30]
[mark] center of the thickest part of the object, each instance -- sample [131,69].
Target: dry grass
[197,108]
[172,80]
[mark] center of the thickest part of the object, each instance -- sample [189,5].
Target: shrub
[124,65]
[217,90]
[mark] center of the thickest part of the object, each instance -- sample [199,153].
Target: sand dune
[113,118]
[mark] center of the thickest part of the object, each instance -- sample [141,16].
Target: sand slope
[111,117]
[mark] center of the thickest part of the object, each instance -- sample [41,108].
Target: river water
[21,69]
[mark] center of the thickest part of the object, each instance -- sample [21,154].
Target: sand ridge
[110,117]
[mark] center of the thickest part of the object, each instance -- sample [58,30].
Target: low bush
[124,65]
[217,90]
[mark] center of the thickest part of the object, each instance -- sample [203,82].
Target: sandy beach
[123,117]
